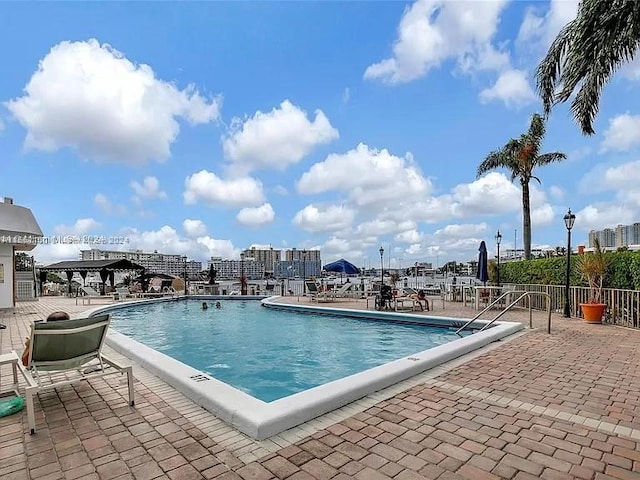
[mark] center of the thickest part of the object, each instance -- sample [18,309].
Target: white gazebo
[19,231]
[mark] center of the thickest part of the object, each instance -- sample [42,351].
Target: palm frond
[547,158]
[586,53]
[496,159]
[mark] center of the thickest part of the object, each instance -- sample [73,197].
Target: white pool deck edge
[262,420]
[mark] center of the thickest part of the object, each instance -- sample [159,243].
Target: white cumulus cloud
[538,30]
[433,31]
[207,187]
[107,206]
[194,228]
[256,216]
[149,188]
[623,133]
[512,88]
[457,231]
[91,98]
[491,194]
[367,176]
[276,139]
[329,218]
[82,226]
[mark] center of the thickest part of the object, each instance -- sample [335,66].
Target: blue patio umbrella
[342,266]
[483,271]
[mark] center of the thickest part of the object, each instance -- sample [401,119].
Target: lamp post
[184,258]
[569,219]
[381,266]
[304,272]
[498,240]
[243,282]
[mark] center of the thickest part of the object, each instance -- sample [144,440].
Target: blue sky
[203,128]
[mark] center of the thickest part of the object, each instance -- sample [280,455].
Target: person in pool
[218,305]
[55,316]
[204,305]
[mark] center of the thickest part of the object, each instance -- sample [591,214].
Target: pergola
[106,268]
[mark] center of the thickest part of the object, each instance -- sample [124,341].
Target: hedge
[623,272]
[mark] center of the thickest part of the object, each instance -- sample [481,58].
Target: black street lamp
[243,281]
[569,219]
[498,240]
[184,258]
[304,273]
[381,265]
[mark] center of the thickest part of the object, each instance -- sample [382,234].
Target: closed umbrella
[69,277]
[212,275]
[104,276]
[483,271]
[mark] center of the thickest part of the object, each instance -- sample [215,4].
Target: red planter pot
[593,312]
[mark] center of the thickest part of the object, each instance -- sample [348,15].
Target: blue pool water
[270,353]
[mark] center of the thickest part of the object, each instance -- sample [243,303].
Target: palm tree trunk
[526,219]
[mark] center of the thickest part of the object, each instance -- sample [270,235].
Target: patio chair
[66,352]
[89,294]
[316,294]
[121,293]
[346,291]
[385,298]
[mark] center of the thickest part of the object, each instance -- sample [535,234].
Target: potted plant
[593,269]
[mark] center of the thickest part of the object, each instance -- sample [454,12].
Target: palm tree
[521,156]
[587,51]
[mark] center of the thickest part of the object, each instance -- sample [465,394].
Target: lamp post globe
[498,240]
[381,266]
[569,220]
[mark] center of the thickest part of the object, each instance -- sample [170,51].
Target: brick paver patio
[565,405]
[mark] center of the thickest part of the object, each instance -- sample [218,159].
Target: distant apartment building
[268,257]
[155,262]
[233,269]
[299,263]
[621,236]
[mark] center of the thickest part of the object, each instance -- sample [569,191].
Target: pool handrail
[507,308]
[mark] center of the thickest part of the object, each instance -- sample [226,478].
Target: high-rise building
[621,236]
[265,256]
[635,234]
[299,263]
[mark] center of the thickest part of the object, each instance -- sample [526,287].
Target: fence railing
[623,306]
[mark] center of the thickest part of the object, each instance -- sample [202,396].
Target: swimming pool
[256,417]
[270,353]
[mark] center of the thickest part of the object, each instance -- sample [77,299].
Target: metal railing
[516,302]
[623,306]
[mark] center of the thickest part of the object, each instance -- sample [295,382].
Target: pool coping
[262,420]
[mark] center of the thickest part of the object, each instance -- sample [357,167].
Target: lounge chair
[89,294]
[316,294]
[346,291]
[122,293]
[65,352]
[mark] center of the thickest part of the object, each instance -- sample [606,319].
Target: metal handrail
[511,305]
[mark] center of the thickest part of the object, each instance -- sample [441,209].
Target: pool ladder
[509,307]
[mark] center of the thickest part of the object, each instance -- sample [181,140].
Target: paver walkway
[565,405]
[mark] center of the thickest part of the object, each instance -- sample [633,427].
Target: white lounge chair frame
[45,362]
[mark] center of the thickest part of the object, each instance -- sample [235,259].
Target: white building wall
[6,278]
